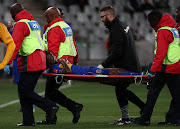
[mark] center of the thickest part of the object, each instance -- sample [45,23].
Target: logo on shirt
[34,26]
[98,71]
[55,70]
[68,31]
[175,32]
[127,29]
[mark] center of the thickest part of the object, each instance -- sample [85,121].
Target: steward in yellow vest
[167,47]
[166,66]
[29,45]
[59,39]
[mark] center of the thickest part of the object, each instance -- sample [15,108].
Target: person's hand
[150,75]
[100,66]
[65,60]
[6,69]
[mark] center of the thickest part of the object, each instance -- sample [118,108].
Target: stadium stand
[91,31]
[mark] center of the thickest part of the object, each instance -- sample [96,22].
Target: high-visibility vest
[66,48]
[178,28]
[33,41]
[173,53]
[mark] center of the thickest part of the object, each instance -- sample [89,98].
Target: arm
[7,39]
[66,69]
[115,71]
[54,37]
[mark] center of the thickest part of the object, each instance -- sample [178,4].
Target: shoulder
[2,25]
[21,26]
[3,29]
[55,30]
[164,32]
[120,26]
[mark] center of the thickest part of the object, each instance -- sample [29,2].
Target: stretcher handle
[135,79]
[56,78]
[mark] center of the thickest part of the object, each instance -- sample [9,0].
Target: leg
[28,97]
[173,115]
[134,99]
[154,89]
[52,93]
[55,95]
[122,98]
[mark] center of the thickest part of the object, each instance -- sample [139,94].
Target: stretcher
[103,78]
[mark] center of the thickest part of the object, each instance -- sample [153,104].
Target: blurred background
[90,33]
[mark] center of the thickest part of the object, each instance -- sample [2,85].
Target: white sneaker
[121,121]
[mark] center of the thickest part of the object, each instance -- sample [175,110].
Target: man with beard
[122,55]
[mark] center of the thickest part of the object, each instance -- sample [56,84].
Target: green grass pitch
[100,107]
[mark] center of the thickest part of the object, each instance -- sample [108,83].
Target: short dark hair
[108,9]
[155,15]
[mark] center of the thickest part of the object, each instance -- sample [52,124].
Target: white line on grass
[42,93]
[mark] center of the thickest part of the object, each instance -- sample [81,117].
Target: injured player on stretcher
[64,67]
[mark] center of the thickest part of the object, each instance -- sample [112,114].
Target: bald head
[15,9]
[51,14]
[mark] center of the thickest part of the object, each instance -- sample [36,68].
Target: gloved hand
[6,69]
[150,75]
[100,66]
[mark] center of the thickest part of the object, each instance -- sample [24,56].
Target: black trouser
[124,95]
[28,97]
[52,93]
[173,83]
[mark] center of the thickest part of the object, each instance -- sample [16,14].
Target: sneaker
[121,121]
[140,121]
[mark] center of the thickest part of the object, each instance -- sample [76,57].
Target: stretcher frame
[103,78]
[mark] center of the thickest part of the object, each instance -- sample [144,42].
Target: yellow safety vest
[66,48]
[33,41]
[173,53]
